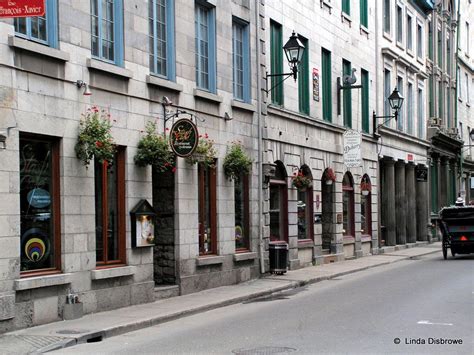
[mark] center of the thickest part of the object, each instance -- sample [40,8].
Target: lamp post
[294,50]
[396,101]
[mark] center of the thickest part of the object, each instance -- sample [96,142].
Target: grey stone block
[7,305]
[73,311]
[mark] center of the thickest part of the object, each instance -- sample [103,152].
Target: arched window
[305,206]
[366,206]
[348,205]
[279,204]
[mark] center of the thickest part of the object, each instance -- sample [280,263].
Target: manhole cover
[72,331]
[263,350]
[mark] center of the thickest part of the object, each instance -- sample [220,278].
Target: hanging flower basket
[236,162]
[95,139]
[205,152]
[365,188]
[301,181]
[153,149]
[330,176]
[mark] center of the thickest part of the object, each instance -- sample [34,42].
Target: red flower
[173,170]
[98,144]
[167,164]
[95,109]
[206,136]
[167,129]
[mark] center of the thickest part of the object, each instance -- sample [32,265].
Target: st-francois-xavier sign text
[21,8]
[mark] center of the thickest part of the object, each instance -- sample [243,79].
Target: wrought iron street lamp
[395,101]
[294,50]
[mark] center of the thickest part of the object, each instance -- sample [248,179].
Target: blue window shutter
[247,91]
[170,45]
[118,29]
[212,50]
[52,22]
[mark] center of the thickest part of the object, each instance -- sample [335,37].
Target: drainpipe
[259,142]
[461,158]
[377,106]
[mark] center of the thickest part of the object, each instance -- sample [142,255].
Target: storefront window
[347,206]
[365,206]
[305,212]
[241,207]
[39,204]
[110,210]
[278,206]
[207,210]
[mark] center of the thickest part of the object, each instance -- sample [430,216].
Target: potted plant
[330,176]
[236,162]
[301,181]
[95,139]
[205,152]
[153,149]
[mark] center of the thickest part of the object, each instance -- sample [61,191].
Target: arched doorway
[305,208]
[279,204]
[327,210]
[366,206]
[348,220]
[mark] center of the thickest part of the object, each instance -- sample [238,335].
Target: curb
[141,324]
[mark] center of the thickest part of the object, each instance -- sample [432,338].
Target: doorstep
[166,291]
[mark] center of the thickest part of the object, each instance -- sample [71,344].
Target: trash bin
[278,257]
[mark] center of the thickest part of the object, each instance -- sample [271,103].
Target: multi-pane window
[242,216]
[431,96]
[409,32]
[386,92]
[440,99]
[440,49]
[365,100]
[346,6]
[459,82]
[421,113]
[161,27]
[326,84]
[279,206]
[430,41]
[205,29]
[107,30]
[347,206]
[386,16]
[303,79]
[110,210]
[399,24]
[419,41]
[466,77]
[410,115]
[400,121]
[241,60]
[347,108]
[276,61]
[364,13]
[467,38]
[42,29]
[207,212]
[40,228]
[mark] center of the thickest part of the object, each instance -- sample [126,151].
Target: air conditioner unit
[435,121]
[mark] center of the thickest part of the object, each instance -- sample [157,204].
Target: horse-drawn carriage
[457,226]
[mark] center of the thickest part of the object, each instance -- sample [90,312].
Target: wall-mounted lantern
[396,101]
[142,218]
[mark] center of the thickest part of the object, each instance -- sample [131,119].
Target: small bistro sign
[21,8]
[183,138]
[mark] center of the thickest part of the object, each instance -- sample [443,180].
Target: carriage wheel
[445,249]
[453,253]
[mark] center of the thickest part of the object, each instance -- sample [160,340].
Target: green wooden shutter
[326,84]
[347,108]
[303,81]
[346,6]
[365,100]
[276,57]
[434,187]
[430,41]
[364,17]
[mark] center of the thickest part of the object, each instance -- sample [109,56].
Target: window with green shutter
[346,6]
[347,108]
[364,15]
[431,96]
[326,84]
[430,41]
[434,186]
[276,58]
[365,100]
[303,81]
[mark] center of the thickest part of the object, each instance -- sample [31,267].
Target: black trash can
[278,257]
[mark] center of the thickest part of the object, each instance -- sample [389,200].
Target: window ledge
[365,238]
[459,99]
[400,45]
[303,244]
[206,95]
[326,4]
[410,52]
[420,60]
[364,30]
[245,256]
[163,83]
[209,260]
[108,68]
[42,281]
[346,17]
[387,36]
[37,48]
[348,240]
[468,104]
[101,274]
[243,105]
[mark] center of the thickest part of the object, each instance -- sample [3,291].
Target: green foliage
[153,149]
[236,162]
[205,152]
[301,181]
[95,139]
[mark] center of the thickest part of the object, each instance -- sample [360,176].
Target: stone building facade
[66,229]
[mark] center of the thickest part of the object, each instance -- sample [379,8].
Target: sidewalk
[95,327]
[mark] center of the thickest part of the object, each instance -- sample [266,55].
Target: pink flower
[206,136]
[173,170]
[98,144]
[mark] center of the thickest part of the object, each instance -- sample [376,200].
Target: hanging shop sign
[183,138]
[21,8]
[352,143]
[143,224]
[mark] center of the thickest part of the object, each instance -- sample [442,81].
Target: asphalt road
[410,302]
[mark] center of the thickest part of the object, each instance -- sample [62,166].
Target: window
[459,82]
[440,99]
[326,84]
[107,30]
[346,7]
[303,79]
[467,87]
[409,33]
[386,16]
[386,92]
[410,115]
[40,242]
[430,41]
[440,49]
[364,16]
[205,28]
[110,210]
[305,210]
[347,108]
[241,209]
[347,206]
[419,41]
[365,100]
[279,205]
[400,122]
[207,200]
[365,206]
[467,39]
[276,58]
[421,113]
[161,22]
[434,185]
[42,29]
[431,96]
[241,60]
[448,56]
[399,24]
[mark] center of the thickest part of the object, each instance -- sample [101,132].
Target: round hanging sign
[183,138]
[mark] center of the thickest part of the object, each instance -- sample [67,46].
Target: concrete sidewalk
[95,327]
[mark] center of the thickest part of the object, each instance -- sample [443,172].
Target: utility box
[278,257]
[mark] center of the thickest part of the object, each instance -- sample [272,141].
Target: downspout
[259,142]
[377,106]
[461,158]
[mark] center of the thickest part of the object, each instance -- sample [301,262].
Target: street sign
[183,138]
[421,173]
[352,143]
[21,8]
